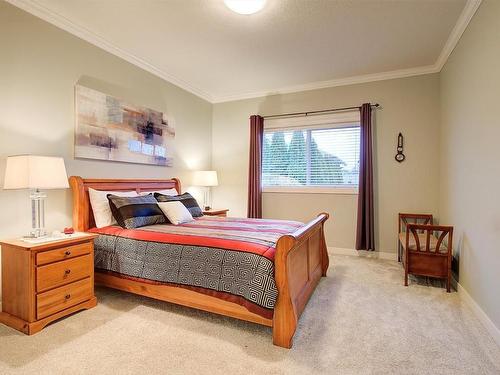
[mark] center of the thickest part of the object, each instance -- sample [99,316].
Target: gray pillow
[135,212]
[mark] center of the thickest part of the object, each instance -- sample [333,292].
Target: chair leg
[448,284]
[406,277]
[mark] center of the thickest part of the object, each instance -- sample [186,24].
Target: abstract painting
[108,128]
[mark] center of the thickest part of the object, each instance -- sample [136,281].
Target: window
[320,158]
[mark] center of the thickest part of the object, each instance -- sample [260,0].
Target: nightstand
[216,212]
[44,282]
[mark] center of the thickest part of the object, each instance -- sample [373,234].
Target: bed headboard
[83,218]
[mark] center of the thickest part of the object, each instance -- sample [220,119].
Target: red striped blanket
[258,236]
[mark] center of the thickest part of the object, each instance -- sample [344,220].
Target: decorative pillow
[135,212]
[175,212]
[164,192]
[100,205]
[186,199]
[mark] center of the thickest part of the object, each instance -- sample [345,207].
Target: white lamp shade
[205,178]
[35,172]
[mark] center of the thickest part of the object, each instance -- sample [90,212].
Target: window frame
[307,123]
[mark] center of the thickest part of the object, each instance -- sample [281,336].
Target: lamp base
[207,199]
[37,214]
[37,233]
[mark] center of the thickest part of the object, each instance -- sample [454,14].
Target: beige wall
[40,66]
[409,105]
[470,156]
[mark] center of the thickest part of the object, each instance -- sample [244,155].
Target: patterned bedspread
[227,255]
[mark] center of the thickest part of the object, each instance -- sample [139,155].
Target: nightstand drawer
[59,299]
[63,253]
[64,272]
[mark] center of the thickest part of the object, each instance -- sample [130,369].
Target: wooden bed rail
[301,259]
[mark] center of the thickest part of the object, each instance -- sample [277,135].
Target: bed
[262,271]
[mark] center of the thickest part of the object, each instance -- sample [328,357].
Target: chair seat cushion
[422,238]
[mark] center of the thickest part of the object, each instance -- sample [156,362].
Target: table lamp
[36,173]
[206,179]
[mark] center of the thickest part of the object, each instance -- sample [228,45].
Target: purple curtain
[365,234]
[255,168]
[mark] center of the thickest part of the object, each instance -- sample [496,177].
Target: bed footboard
[301,260]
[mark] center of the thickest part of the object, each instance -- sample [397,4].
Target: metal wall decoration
[400,157]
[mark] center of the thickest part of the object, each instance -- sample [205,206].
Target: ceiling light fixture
[245,6]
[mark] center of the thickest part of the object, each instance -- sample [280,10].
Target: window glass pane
[335,156]
[311,157]
[284,158]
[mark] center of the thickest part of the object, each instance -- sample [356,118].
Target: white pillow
[176,212]
[170,192]
[100,205]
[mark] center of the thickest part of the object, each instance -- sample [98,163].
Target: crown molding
[81,32]
[38,10]
[401,73]
[463,21]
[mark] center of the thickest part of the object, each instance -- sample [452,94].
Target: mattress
[230,258]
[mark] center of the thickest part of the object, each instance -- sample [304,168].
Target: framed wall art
[108,128]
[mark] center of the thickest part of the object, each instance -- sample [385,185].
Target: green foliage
[279,152]
[287,165]
[297,161]
[266,155]
[326,169]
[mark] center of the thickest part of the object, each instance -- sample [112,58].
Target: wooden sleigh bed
[301,259]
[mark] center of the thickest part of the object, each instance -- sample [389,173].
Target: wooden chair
[424,251]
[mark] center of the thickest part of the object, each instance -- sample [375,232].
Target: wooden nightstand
[216,212]
[47,281]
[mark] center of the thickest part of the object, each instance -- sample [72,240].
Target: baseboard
[363,253]
[493,330]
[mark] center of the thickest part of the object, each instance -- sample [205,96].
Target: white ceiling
[291,45]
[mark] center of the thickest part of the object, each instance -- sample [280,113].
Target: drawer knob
[67,253]
[67,272]
[67,296]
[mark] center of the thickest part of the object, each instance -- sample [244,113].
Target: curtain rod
[376,105]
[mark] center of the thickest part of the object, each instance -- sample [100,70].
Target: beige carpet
[361,320]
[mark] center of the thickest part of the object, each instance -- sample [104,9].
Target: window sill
[312,190]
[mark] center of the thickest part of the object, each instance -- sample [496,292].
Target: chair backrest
[405,219]
[441,231]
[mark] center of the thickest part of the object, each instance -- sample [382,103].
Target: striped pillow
[135,212]
[186,199]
